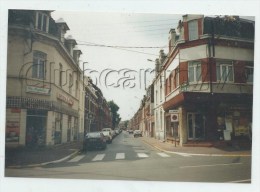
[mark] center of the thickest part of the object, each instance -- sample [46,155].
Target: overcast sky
[117,47]
[115,44]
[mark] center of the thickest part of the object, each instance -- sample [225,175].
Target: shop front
[235,123]
[36,122]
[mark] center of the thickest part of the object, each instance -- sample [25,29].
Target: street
[129,158]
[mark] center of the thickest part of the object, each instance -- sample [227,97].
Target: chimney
[157,64]
[76,54]
[62,28]
[70,43]
[172,38]
[162,57]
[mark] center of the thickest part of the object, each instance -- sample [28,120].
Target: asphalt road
[128,158]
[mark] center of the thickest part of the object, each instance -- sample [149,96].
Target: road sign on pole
[175,117]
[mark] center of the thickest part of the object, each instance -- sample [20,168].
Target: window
[193,30]
[225,71]
[70,83]
[249,70]
[156,97]
[177,77]
[60,75]
[42,22]
[38,68]
[161,93]
[76,90]
[194,71]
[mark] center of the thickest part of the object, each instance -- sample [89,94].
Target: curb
[198,154]
[46,163]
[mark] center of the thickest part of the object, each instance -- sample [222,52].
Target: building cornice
[46,38]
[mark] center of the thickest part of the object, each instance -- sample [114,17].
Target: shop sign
[65,99]
[173,111]
[15,110]
[38,90]
[12,131]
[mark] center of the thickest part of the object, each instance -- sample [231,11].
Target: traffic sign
[175,117]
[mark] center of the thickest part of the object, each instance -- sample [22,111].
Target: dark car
[94,140]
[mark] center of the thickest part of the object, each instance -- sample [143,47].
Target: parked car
[107,129]
[130,131]
[94,140]
[117,131]
[137,133]
[113,133]
[108,134]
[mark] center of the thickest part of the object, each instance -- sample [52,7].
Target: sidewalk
[197,151]
[30,157]
[24,157]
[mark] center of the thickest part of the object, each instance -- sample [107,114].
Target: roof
[229,26]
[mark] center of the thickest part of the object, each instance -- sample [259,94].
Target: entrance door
[36,127]
[196,128]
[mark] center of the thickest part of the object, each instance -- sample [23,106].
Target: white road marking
[140,151]
[142,155]
[163,154]
[76,159]
[120,156]
[213,165]
[99,157]
[183,154]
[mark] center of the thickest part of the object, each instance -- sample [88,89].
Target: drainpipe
[211,55]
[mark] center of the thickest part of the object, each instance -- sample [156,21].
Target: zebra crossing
[117,156]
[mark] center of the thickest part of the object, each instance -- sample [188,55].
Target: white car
[137,133]
[108,134]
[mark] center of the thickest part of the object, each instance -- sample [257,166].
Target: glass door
[196,128]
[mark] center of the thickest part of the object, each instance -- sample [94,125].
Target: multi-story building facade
[43,78]
[97,111]
[91,107]
[159,96]
[49,100]
[210,84]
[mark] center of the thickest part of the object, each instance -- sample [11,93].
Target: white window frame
[193,30]
[193,67]
[42,25]
[38,67]
[221,68]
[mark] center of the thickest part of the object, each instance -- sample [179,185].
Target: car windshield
[93,134]
[106,129]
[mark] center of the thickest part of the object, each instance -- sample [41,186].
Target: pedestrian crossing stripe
[76,159]
[120,156]
[99,157]
[163,155]
[142,155]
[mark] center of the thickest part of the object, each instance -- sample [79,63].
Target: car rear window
[106,129]
[96,134]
